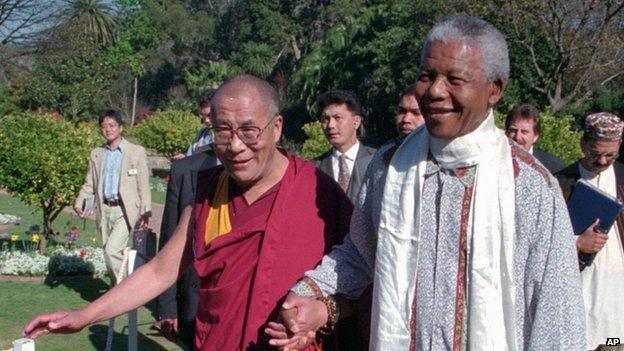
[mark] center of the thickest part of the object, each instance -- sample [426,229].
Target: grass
[32,215]
[21,301]
[158,188]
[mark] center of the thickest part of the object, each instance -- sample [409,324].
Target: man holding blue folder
[603,287]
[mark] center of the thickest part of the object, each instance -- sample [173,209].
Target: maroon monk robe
[245,274]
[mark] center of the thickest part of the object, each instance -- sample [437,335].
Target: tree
[205,77]
[563,50]
[132,55]
[376,55]
[43,161]
[22,20]
[94,17]
[71,81]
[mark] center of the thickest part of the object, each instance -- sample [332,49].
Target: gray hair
[478,34]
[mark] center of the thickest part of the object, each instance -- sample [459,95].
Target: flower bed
[59,261]
[9,219]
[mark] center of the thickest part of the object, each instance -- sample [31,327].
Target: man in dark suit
[523,125]
[177,306]
[341,115]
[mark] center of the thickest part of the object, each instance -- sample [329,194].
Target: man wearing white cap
[603,286]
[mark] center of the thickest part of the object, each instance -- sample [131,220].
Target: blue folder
[587,203]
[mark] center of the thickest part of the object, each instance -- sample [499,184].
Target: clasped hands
[300,318]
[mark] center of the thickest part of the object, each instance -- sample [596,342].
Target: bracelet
[332,315]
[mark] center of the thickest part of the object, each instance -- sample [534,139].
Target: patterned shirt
[549,306]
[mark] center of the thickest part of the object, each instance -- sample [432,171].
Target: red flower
[83,252]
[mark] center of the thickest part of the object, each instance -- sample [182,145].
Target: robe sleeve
[348,269]
[554,312]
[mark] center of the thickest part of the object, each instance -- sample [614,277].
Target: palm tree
[97,19]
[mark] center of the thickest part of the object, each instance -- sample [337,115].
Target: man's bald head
[246,85]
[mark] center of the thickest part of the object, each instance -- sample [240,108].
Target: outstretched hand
[59,322]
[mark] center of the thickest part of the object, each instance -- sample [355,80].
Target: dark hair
[409,90]
[113,113]
[205,97]
[525,111]
[339,97]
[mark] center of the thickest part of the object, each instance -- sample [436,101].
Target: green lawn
[31,215]
[21,301]
[159,189]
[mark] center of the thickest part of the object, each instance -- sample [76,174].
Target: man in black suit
[523,125]
[177,306]
[341,115]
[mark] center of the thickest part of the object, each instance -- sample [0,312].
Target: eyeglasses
[108,126]
[249,135]
[596,155]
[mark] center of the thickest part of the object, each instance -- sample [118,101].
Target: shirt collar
[587,174]
[120,147]
[351,154]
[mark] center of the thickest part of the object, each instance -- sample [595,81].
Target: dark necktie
[343,172]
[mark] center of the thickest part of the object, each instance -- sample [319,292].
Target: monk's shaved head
[246,85]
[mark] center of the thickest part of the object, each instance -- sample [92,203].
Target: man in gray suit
[118,181]
[523,125]
[341,115]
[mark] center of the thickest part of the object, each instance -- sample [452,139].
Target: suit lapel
[359,168]
[125,166]
[326,164]
[99,168]
[206,161]
[354,182]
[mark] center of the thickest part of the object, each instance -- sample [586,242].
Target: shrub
[167,132]
[23,263]
[43,161]
[559,135]
[316,143]
[86,260]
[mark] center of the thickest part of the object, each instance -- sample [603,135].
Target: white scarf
[490,287]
